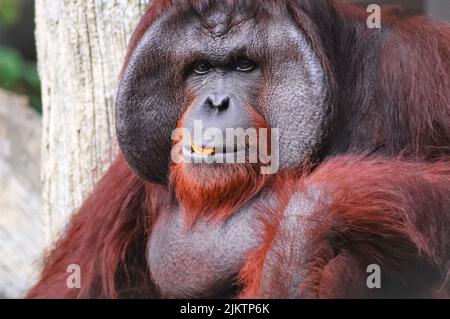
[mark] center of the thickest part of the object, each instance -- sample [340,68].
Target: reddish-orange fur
[393,213]
[107,239]
[220,190]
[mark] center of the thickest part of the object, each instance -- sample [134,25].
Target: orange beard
[216,191]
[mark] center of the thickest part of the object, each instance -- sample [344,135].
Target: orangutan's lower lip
[193,151]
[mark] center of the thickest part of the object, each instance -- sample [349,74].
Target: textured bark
[81,45]
[21,239]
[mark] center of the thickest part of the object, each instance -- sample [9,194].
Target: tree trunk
[81,45]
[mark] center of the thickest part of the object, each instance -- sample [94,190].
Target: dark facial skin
[224,92]
[286,83]
[217,66]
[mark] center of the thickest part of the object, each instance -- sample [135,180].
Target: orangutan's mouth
[214,153]
[203,151]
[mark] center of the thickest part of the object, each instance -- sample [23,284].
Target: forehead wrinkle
[224,18]
[224,47]
[247,37]
[227,50]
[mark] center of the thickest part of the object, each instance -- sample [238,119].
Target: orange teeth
[202,151]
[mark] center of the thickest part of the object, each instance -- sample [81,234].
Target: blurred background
[20,139]
[21,221]
[17,50]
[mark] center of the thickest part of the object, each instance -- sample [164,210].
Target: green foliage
[19,75]
[10,10]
